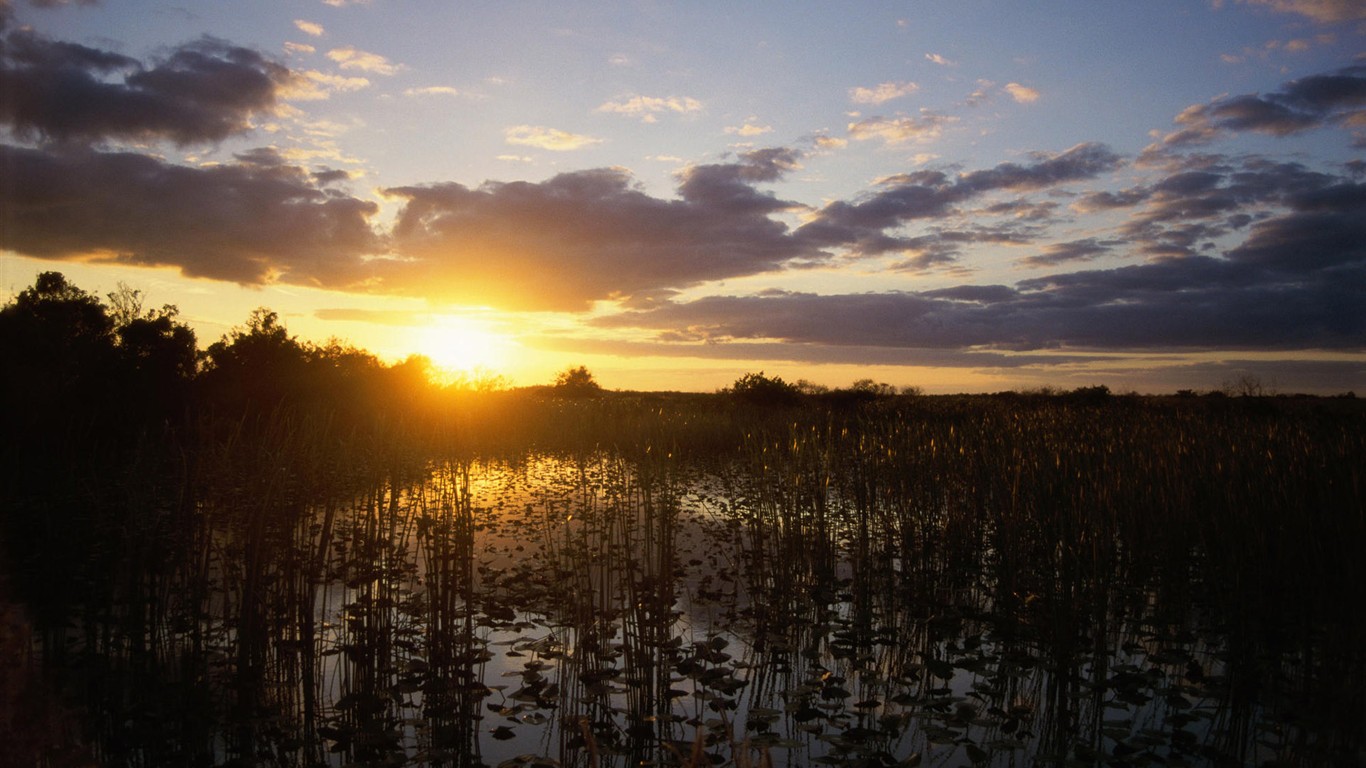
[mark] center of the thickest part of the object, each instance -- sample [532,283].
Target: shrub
[758,389]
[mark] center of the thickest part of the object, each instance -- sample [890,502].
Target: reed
[987,580]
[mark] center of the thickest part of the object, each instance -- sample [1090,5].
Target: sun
[463,345]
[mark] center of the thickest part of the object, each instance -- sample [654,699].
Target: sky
[959,196]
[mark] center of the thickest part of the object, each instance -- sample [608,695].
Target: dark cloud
[1085,249]
[862,226]
[1325,229]
[589,235]
[203,91]
[1023,210]
[750,351]
[248,223]
[1191,303]
[1336,98]
[1084,161]
[943,246]
[1190,210]
[559,244]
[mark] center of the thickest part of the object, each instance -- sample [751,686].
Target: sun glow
[464,345]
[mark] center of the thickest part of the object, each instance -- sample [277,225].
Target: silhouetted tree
[92,394]
[576,382]
[758,389]
[255,368]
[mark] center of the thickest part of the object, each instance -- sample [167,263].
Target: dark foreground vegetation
[278,553]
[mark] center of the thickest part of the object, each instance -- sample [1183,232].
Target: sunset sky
[962,196]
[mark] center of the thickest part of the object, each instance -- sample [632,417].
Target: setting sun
[463,345]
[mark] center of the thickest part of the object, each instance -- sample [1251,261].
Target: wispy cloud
[1062,253]
[432,90]
[1022,94]
[542,137]
[940,60]
[749,129]
[882,93]
[901,130]
[312,85]
[354,58]
[647,108]
[309,28]
[1318,10]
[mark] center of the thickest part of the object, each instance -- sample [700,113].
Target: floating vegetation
[964,582]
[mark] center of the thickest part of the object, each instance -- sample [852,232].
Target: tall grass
[679,581]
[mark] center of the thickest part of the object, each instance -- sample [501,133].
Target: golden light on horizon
[464,345]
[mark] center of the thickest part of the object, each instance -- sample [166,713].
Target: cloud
[647,108]
[1187,304]
[1086,249]
[1324,229]
[1318,10]
[251,222]
[883,92]
[940,60]
[1293,281]
[862,224]
[941,246]
[552,139]
[312,85]
[354,58]
[1022,94]
[1201,203]
[1335,98]
[202,91]
[1243,250]
[749,129]
[901,130]
[394,317]
[590,235]
[309,28]
[432,90]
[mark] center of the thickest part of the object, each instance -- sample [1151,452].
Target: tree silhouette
[576,382]
[95,395]
[758,389]
[256,367]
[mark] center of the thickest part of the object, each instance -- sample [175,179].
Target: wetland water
[823,596]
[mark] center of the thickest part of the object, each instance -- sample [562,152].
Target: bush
[576,383]
[758,389]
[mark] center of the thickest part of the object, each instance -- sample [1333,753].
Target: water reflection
[593,610]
